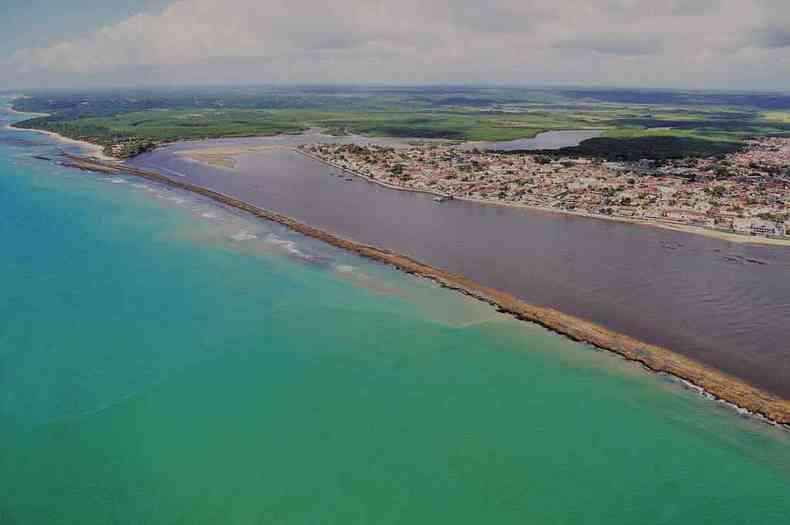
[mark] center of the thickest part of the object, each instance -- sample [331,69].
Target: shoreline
[722,235]
[712,382]
[94,149]
[365,177]
[713,233]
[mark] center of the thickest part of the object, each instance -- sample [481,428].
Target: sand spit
[714,382]
[224,157]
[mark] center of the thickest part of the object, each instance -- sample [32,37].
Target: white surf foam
[288,246]
[243,235]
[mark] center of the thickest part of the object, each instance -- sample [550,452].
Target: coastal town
[746,192]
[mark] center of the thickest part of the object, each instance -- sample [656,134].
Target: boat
[442,198]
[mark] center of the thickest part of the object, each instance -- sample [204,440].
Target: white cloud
[617,44]
[716,43]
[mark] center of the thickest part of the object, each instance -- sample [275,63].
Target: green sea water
[166,360]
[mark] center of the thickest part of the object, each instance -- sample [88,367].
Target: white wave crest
[243,235]
[289,246]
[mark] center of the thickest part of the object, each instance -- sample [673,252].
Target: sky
[705,44]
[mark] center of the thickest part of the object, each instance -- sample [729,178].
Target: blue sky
[28,23]
[718,44]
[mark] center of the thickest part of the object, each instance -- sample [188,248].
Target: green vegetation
[179,124]
[649,147]
[782,117]
[659,124]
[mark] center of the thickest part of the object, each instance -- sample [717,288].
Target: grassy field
[781,117]
[176,124]
[139,120]
[180,124]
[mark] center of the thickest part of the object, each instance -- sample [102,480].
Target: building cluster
[747,192]
[128,147]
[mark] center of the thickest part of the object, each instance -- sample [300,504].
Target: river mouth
[710,381]
[698,296]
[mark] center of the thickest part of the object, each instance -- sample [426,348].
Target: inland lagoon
[542,141]
[164,359]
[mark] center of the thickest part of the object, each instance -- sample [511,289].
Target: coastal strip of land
[95,149]
[717,384]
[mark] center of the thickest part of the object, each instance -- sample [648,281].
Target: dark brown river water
[724,304]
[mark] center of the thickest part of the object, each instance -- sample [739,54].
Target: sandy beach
[15,112]
[223,158]
[93,149]
[715,383]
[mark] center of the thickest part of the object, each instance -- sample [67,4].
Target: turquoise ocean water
[166,360]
